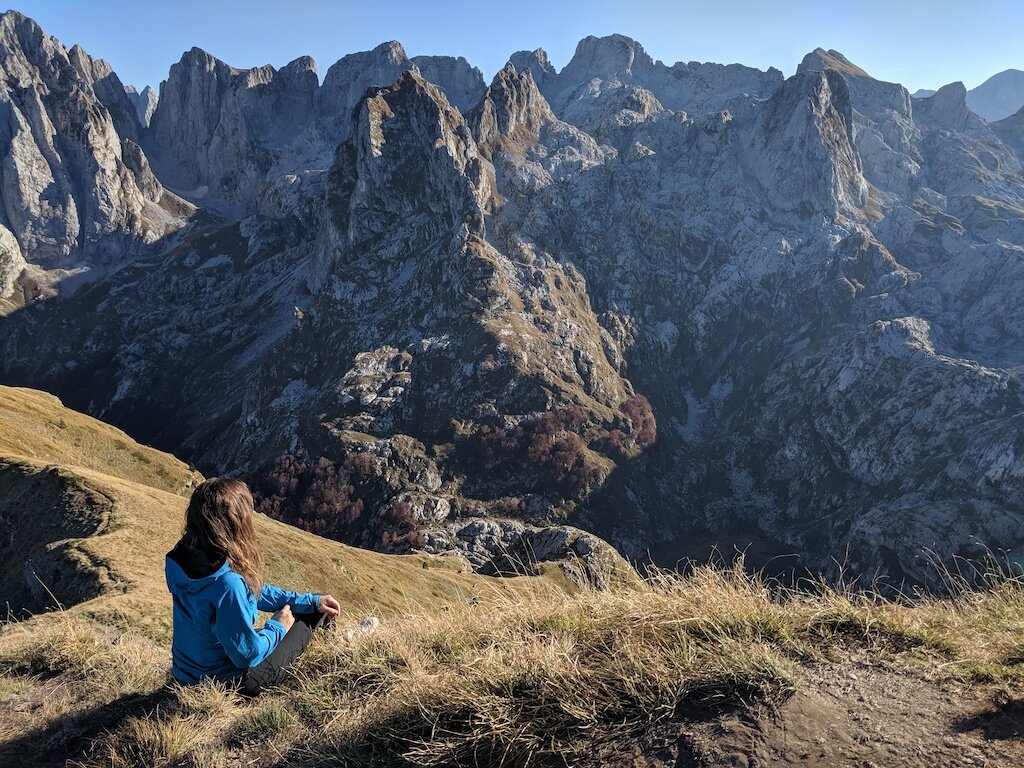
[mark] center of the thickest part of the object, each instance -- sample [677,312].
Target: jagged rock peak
[300,75]
[195,64]
[876,99]
[803,146]
[390,52]
[15,26]
[954,95]
[196,56]
[392,49]
[413,104]
[608,57]
[819,59]
[301,64]
[947,108]
[461,82]
[98,75]
[537,61]
[69,194]
[349,78]
[513,108]
[411,157]
[144,103]
[204,60]
[216,127]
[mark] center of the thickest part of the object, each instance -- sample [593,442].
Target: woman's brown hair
[219,520]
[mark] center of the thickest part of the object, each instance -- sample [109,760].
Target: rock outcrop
[998,98]
[1011,131]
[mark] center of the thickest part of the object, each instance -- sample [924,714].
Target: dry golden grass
[522,679]
[140,521]
[37,426]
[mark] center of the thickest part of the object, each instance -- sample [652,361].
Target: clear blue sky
[920,44]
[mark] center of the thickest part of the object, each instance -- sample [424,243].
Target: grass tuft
[48,649]
[158,742]
[269,721]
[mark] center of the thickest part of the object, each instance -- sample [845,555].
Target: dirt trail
[843,715]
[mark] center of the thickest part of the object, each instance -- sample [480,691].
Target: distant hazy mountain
[1000,96]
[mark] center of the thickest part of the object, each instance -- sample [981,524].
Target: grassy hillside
[36,426]
[715,668]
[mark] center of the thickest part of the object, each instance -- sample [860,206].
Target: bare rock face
[510,548]
[540,66]
[803,148]
[462,83]
[77,192]
[144,102]
[69,196]
[513,109]
[1011,131]
[217,130]
[349,78]
[675,306]
[947,108]
[12,263]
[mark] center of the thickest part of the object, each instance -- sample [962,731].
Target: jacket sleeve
[274,599]
[244,645]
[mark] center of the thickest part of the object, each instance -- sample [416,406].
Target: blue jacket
[214,614]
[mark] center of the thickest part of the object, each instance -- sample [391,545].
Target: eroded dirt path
[868,717]
[849,714]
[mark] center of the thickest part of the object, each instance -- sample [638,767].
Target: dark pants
[274,669]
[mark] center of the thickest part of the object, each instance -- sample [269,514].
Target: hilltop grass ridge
[515,682]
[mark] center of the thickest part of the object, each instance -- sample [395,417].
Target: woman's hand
[284,617]
[329,605]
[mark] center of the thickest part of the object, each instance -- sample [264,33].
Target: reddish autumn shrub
[543,445]
[643,428]
[399,514]
[616,444]
[319,495]
[508,506]
[574,417]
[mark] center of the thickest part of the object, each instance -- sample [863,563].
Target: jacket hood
[191,568]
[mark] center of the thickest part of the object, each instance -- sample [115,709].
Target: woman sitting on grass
[214,577]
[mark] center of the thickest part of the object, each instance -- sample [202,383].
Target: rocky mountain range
[999,97]
[678,306]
